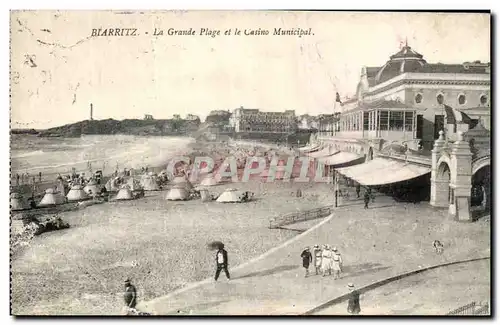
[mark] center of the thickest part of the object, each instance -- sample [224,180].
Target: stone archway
[440,190]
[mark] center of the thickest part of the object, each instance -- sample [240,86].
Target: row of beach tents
[126,189]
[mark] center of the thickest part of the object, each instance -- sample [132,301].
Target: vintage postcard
[250,163]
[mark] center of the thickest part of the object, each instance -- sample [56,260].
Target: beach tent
[52,197]
[124,193]
[209,180]
[134,184]
[178,193]
[76,193]
[230,195]
[92,187]
[150,182]
[182,180]
[17,202]
[114,184]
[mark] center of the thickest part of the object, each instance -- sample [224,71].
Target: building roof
[408,60]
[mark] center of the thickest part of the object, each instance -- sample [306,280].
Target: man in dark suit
[353,306]
[222,262]
[306,259]
[130,295]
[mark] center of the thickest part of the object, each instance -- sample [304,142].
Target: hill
[128,127]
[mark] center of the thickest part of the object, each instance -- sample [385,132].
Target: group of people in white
[326,260]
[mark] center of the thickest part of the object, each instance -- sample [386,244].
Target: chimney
[91,111]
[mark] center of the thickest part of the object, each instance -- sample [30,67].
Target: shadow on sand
[355,270]
[275,270]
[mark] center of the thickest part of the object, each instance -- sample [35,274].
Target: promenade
[385,240]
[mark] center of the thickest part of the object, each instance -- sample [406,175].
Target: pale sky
[127,77]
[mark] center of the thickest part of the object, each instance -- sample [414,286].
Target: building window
[408,121]
[440,99]
[461,99]
[418,98]
[384,120]
[483,99]
[366,120]
[396,121]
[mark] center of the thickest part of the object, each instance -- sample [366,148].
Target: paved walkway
[433,292]
[386,240]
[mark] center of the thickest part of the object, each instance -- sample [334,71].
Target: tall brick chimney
[91,111]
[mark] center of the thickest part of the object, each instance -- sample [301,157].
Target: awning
[309,148]
[327,151]
[339,158]
[381,171]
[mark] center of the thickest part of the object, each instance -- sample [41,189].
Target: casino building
[414,122]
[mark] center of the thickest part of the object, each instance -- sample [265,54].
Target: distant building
[307,122]
[148,117]
[254,120]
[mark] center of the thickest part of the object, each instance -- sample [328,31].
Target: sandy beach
[161,245]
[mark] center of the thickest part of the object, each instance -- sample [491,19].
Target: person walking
[326,260]
[221,262]
[372,196]
[358,189]
[39,177]
[317,258]
[366,199]
[306,260]
[336,264]
[130,295]
[353,306]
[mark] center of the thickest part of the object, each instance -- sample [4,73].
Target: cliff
[128,127]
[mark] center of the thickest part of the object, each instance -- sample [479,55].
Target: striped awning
[454,116]
[339,158]
[381,171]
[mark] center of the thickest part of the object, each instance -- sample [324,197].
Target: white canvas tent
[178,192]
[124,193]
[150,182]
[76,193]
[17,202]
[52,197]
[209,180]
[114,184]
[91,187]
[231,195]
[134,184]
[183,180]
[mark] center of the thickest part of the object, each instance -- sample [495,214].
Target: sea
[31,154]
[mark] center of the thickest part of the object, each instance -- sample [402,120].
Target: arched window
[483,99]
[462,99]
[440,99]
[418,98]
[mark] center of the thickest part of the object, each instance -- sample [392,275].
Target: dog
[438,246]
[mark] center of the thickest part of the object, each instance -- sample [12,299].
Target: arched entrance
[481,189]
[369,155]
[441,196]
